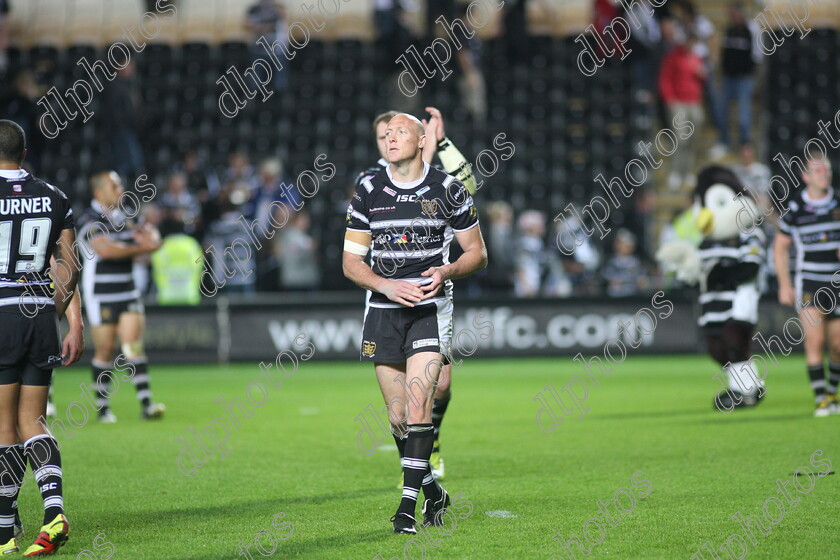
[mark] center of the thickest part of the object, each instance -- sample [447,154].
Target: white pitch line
[500,513]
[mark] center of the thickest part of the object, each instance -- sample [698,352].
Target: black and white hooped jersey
[732,268]
[33,214]
[411,225]
[747,248]
[815,229]
[106,280]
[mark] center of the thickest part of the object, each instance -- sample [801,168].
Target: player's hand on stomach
[787,296]
[400,291]
[431,289]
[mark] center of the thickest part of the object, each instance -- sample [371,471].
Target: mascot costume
[726,265]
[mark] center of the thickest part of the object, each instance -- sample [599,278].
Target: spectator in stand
[690,21]
[20,106]
[623,272]
[530,254]
[297,255]
[756,177]
[740,57]
[259,209]
[580,268]
[239,178]
[233,260]
[181,209]
[266,22]
[681,87]
[204,184]
[471,84]
[393,38]
[269,191]
[501,248]
[646,48]
[123,112]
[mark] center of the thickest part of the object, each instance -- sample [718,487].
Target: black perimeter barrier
[227,329]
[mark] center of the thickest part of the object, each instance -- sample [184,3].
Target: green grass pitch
[298,455]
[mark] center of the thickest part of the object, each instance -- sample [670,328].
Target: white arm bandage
[456,164]
[356,248]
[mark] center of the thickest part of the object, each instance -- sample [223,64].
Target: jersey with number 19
[33,214]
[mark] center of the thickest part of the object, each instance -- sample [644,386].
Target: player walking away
[406,215]
[812,224]
[456,164]
[112,301]
[36,223]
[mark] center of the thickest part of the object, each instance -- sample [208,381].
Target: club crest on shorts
[368,348]
[429,207]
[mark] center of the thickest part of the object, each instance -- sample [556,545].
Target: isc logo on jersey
[407,198]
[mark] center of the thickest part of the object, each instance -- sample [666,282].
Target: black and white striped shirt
[106,280]
[729,266]
[411,225]
[32,215]
[815,229]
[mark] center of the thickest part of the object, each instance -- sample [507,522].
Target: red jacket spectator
[681,77]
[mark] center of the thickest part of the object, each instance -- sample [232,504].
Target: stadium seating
[566,128]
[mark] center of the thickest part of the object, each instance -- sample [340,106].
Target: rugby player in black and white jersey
[111,300]
[812,225]
[454,163]
[406,216]
[38,275]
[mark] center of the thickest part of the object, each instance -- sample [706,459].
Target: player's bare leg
[391,378]
[439,406]
[103,355]
[130,330]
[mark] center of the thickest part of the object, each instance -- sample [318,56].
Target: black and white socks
[45,460]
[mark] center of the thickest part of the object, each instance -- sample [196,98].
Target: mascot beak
[705,221]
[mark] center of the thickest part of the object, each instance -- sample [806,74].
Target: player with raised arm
[111,300]
[456,164]
[408,318]
[812,225]
[36,224]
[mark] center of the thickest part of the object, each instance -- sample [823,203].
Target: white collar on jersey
[412,184]
[825,200]
[13,173]
[382,162]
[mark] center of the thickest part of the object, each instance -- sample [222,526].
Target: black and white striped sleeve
[357,211]
[464,214]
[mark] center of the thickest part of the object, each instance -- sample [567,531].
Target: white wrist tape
[356,248]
